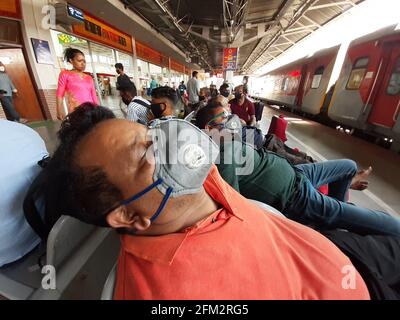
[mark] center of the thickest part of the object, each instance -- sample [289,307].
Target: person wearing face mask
[122,80]
[138,108]
[7,89]
[243,107]
[204,97]
[163,102]
[172,213]
[74,85]
[224,90]
[292,189]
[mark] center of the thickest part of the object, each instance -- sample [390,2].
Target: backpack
[44,202]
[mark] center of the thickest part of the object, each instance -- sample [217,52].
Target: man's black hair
[165,92]
[119,66]
[195,73]
[204,115]
[128,88]
[86,194]
[224,86]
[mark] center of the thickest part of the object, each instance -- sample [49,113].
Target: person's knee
[350,165]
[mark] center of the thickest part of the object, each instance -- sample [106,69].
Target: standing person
[193,88]
[74,85]
[243,107]
[122,80]
[7,89]
[153,85]
[182,88]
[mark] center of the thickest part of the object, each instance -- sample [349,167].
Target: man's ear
[121,218]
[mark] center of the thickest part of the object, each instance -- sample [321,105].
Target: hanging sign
[97,30]
[230,59]
[10,8]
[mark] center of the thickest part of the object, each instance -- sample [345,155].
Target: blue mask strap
[163,204]
[142,193]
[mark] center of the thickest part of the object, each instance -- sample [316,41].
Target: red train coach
[302,84]
[367,93]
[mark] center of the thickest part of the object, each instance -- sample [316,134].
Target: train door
[302,86]
[25,101]
[385,108]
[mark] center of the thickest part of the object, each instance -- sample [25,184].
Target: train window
[357,74]
[393,88]
[285,84]
[317,77]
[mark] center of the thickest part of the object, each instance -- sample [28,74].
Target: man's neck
[185,214]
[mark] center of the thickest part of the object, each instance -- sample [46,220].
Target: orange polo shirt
[238,252]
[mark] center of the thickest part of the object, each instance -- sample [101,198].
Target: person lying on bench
[267,177]
[185,233]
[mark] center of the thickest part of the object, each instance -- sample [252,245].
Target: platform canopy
[261,29]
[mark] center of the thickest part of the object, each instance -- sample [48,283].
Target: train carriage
[367,94]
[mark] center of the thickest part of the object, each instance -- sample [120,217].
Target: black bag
[259,106]
[274,144]
[45,201]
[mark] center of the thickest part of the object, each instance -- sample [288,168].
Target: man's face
[239,90]
[126,97]
[120,149]
[118,70]
[219,116]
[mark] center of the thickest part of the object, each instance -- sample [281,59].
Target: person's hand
[244,123]
[60,115]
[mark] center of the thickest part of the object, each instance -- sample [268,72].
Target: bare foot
[360,181]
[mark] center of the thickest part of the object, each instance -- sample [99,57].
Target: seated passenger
[267,177]
[163,102]
[186,234]
[21,149]
[204,97]
[255,137]
[138,107]
[243,107]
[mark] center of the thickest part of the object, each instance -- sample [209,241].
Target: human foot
[359,181]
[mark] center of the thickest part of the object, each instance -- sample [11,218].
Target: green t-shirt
[257,174]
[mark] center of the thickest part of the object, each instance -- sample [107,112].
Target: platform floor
[322,143]
[325,143]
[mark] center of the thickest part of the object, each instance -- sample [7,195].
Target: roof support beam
[333,4]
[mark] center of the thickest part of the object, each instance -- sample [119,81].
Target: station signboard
[98,30]
[230,59]
[11,9]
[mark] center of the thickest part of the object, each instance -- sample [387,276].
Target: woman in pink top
[75,86]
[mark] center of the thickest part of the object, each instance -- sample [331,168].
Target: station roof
[261,29]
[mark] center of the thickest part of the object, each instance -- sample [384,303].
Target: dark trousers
[376,258]
[9,109]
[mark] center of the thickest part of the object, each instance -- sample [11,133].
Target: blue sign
[75,13]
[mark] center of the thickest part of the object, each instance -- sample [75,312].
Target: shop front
[177,73]
[152,66]
[13,57]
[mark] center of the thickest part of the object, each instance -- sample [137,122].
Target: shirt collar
[163,249]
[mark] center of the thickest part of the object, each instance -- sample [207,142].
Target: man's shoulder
[139,99]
